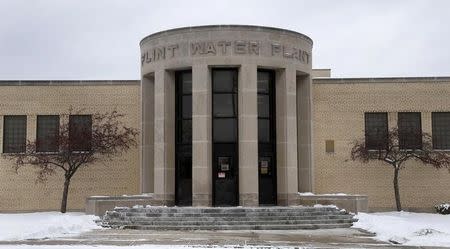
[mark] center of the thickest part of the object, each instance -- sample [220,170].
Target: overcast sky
[99,39]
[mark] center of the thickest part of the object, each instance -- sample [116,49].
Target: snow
[312,194]
[142,247]
[44,225]
[327,206]
[415,229]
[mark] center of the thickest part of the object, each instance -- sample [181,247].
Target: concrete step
[194,210]
[237,218]
[241,214]
[232,223]
[226,218]
[241,227]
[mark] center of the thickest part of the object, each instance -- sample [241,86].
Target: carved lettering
[240,47]
[197,47]
[224,45]
[276,49]
[253,48]
[160,54]
[171,49]
[210,48]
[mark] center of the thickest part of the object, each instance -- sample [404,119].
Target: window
[80,132]
[376,130]
[47,133]
[225,105]
[441,130]
[14,134]
[409,130]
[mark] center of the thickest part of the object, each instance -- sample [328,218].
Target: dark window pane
[187,106]
[224,81]
[441,130]
[186,79]
[225,130]
[80,132]
[185,167]
[225,105]
[263,106]
[263,82]
[47,133]
[186,131]
[263,130]
[409,130]
[14,133]
[376,131]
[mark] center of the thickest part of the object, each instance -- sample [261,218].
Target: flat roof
[67,82]
[225,27]
[326,80]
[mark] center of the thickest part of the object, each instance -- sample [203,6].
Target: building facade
[232,115]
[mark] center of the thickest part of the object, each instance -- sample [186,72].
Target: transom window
[225,106]
[376,130]
[441,130]
[14,133]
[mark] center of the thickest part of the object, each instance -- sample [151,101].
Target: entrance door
[225,133]
[266,138]
[183,138]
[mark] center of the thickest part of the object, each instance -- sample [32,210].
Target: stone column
[304,129]
[287,183]
[164,137]
[147,142]
[248,136]
[201,136]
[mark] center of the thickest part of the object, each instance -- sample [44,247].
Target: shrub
[443,208]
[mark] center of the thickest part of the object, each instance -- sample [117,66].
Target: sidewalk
[325,238]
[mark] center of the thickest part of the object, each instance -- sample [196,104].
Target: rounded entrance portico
[226,116]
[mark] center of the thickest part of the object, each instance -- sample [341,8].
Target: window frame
[4,135]
[433,131]
[70,132]
[37,134]
[366,135]
[419,144]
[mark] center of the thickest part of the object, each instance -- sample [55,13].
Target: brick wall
[339,106]
[19,192]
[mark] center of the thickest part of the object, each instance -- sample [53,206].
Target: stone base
[164,199]
[249,200]
[201,200]
[287,199]
[351,203]
[98,205]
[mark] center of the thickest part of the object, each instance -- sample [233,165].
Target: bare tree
[103,137]
[395,152]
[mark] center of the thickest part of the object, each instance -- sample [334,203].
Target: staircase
[235,218]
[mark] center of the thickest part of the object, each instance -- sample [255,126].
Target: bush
[443,208]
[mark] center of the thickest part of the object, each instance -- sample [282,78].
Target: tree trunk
[396,190]
[65,194]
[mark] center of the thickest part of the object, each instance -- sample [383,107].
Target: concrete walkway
[325,238]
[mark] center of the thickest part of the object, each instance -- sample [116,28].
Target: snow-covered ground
[415,229]
[148,247]
[44,225]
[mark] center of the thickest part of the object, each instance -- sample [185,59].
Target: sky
[99,39]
